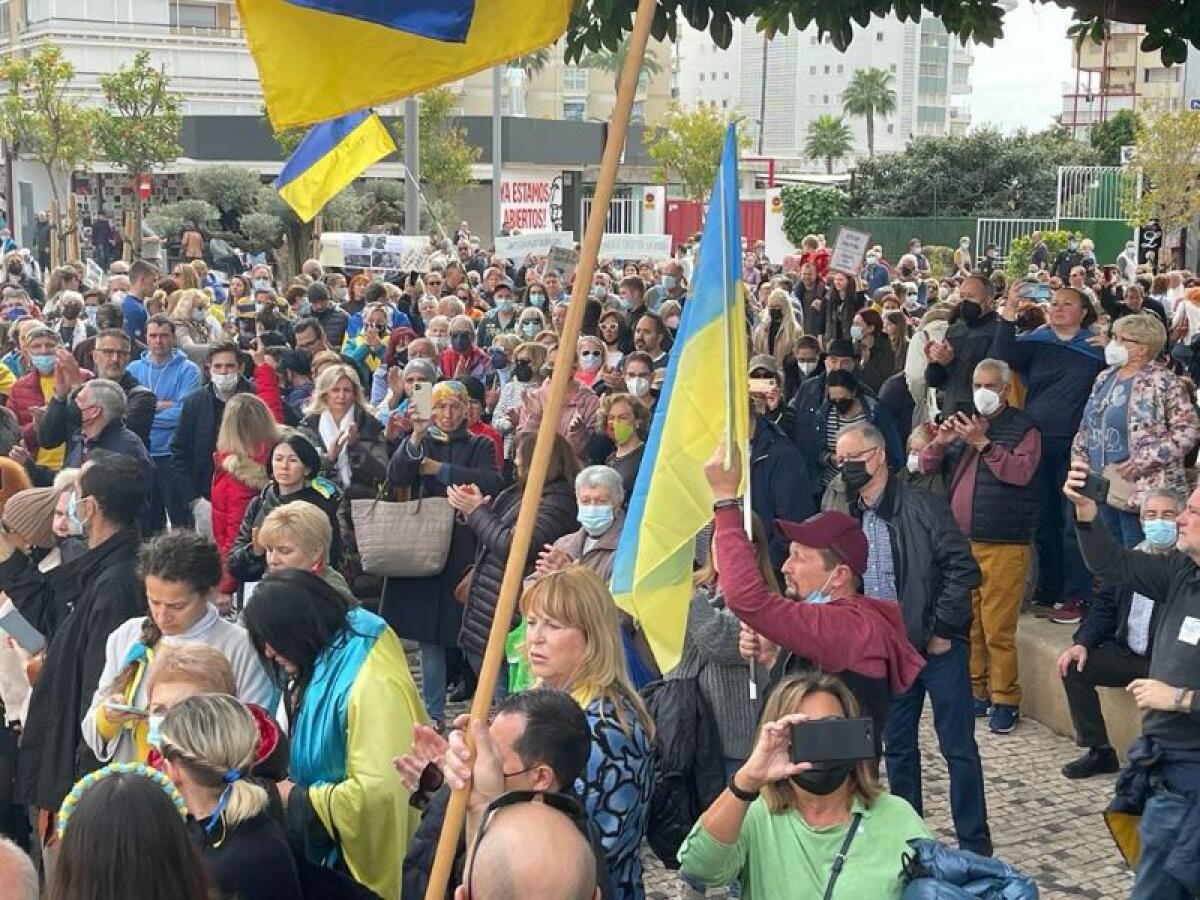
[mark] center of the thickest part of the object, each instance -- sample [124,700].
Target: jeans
[1161,821]
[166,498]
[947,681]
[1109,665]
[1125,527]
[433,680]
[1063,574]
[501,690]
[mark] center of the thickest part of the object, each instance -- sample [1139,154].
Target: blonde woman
[299,536]
[186,311]
[573,644]
[528,359]
[209,744]
[777,331]
[247,434]
[781,827]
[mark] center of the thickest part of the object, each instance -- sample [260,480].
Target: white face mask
[1116,354]
[914,463]
[225,383]
[986,401]
[638,386]
[807,367]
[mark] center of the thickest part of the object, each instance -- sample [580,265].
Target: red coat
[27,393]
[236,481]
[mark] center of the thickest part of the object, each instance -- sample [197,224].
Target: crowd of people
[205,671]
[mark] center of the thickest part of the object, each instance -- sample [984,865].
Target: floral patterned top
[616,790]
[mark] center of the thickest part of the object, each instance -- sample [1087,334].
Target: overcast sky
[1018,82]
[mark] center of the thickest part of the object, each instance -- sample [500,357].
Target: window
[827,70]
[193,15]
[892,67]
[724,104]
[726,76]
[575,80]
[701,76]
[825,99]
[839,70]
[879,37]
[812,70]
[891,128]
[574,110]
[638,113]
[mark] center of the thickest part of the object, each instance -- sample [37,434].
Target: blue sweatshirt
[133,315]
[173,381]
[1058,374]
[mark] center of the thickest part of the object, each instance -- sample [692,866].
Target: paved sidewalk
[1047,826]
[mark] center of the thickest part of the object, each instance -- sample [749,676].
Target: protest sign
[849,250]
[525,201]
[562,260]
[383,252]
[635,246]
[516,247]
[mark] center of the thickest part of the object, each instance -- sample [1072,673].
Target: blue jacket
[172,381]
[779,484]
[946,873]
[810,435]
[133,317]
[1059,374]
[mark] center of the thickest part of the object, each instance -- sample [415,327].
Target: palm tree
[532,62]
[828,138]
[869,94]
[613,61]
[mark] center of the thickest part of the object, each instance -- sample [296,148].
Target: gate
[624,214]
[1002,232]
[1092,200]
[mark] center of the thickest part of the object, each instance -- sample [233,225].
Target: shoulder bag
[410,539]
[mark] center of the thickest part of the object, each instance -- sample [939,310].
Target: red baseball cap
[830,530]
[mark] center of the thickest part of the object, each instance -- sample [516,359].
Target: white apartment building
[805,77]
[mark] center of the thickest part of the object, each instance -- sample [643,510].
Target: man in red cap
[834,627]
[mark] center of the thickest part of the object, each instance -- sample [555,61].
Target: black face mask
[776,315]
[16,270]
[971,312]
[823,778]
[844,405]
[854,474]
[461,342]
[523,370]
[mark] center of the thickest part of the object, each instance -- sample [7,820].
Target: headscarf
[446,390]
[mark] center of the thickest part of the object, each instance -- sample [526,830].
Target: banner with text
[525,201]
[383,252]
[635,246]
[516,247]
[849,248]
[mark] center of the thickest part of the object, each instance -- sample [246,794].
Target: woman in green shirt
[783,843]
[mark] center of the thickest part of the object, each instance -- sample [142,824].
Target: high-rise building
[1116,74]
[806,75]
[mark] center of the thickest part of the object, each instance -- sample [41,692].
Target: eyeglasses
[855,457]
[564,803]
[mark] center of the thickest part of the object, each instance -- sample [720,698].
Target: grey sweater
[710,655]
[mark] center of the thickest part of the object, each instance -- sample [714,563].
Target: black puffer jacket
[493,525]
[246,565]
[955,380]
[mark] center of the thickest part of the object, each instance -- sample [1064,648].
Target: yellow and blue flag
[331,156]
[320,59]
[705,399]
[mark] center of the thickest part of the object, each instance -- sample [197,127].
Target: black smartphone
[966,407]
[833,740]
[1095,487]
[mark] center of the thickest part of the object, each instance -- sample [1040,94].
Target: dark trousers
[1109,665]
[947,679]
[167,499]
[1159,830]
[1062,572]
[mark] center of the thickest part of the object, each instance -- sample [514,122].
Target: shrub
[808,209]
[1020,251]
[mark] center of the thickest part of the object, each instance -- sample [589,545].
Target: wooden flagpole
[514,570]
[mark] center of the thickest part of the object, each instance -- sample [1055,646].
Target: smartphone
[1039,292]
[1095,487]
[422,399]
[127,709]
[18,628]
[762,385]
[966,407]
[833,740]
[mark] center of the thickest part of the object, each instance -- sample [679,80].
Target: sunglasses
[430,783]
[564,803]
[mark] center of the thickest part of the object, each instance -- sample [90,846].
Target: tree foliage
[231,189]
[687,147]
[1168,156]
[597,24]
[982,173]
[808,209]
[613,61]
[1020,251]
[869,94]
[446,154]
[1107,138]
[828,138]
[38,117]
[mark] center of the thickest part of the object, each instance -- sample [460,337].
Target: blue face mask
[154,731]
[75,524]
[669,283]
[499,359]
[530,329]
[538,300]
[44,362]
[596,519]
[504,304]
[821,595]
[1160,532]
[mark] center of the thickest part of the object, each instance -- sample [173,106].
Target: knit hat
[423,366]
[30,513]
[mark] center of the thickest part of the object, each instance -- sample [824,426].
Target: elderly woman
[532,321]
[626,421]
[783,828]
[392,407]
[528,360]
[591,352]
[463,357]
[599,501]
[1138,424]
[438,453]
[577,418]
[299,536]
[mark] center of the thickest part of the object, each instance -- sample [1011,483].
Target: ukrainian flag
[320,59]
[331,156]
[705,400]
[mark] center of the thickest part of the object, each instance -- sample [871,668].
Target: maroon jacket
[850,634]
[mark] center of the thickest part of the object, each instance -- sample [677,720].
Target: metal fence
[1002,232]
[1095,193]
[624,214]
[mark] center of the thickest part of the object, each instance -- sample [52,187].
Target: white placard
[635,246]
[778,246]
[849,250]
[516,247]
[525,201]
[563,260]
[381,252]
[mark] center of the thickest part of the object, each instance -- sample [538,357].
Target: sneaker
[1003,719]
[982,707]
[1097,761]
[1070,613]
